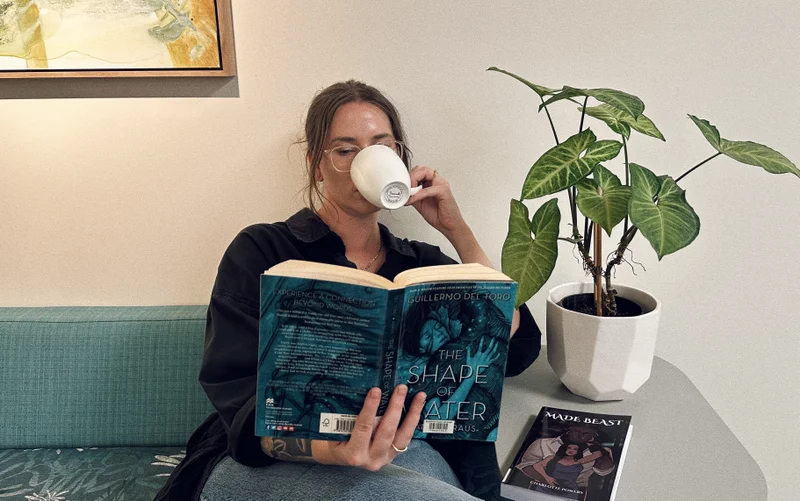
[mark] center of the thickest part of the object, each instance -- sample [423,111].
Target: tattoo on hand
[287,449]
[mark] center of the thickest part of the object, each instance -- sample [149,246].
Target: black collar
[308,227]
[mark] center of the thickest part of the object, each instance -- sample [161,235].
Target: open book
[330,333]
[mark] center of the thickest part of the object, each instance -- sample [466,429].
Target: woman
[562,468]
[224,458]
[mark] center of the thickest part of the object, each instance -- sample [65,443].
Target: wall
[132,200]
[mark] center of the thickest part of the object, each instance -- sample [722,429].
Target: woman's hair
[320,116]
[561,453]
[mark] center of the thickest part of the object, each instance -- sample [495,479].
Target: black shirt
[228,371]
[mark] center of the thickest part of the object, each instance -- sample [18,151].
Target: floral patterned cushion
[85,474]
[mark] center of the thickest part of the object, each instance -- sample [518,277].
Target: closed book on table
[569,454]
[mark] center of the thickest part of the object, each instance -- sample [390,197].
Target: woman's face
[354,124]
[433,336]
[572,450]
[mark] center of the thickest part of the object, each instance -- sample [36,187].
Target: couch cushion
[85,474]
[108,376]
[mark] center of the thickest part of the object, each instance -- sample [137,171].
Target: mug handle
[413,191]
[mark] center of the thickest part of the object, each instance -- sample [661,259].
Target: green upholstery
[96,474]
[100,376]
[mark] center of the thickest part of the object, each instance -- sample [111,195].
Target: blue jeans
[419,473]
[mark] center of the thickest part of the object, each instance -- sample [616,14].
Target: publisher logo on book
[270,402]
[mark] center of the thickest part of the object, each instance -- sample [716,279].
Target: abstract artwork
[73,38]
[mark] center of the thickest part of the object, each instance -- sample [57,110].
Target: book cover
[320,351]
[571,455]
[323,344]
[453,346]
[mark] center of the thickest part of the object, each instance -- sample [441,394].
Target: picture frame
[116,39]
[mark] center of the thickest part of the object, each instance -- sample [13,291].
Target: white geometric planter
[601,358]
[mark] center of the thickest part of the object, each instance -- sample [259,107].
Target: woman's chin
[365,205]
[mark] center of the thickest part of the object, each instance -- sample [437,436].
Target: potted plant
[601,336]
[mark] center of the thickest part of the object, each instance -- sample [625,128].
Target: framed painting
[116,38]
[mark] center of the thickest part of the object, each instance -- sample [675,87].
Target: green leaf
[530,261]
[747,152]
[603,199]
[601,151]
[539,89]
[751,153]
[645,126]
[658,207]
[565,93]
[621,122]
[611,116]
[562,166]
[709,131]
[623,101]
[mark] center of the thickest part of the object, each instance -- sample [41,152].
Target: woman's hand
[370,446]
[435,201]
[483,356]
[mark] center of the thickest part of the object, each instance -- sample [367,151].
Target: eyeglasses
[341,157]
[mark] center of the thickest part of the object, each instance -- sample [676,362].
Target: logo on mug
[393,194]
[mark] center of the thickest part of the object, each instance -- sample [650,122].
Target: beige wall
[132,201]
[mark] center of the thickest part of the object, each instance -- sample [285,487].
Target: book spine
[394,310]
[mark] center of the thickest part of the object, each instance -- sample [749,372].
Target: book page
[449,273]
[330,272]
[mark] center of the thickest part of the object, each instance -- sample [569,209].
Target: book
[569,454]
[328,334]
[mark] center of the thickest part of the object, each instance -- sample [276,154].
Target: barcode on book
[431,426]
[341,424]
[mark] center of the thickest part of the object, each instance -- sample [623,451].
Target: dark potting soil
[584,303]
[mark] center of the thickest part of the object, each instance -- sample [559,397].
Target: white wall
[132,201]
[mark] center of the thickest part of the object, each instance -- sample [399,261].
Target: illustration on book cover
[570,454]
[453,347]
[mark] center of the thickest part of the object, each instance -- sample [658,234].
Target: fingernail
[402,390]
[374,393]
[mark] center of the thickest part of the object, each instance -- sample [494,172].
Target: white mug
[381,177]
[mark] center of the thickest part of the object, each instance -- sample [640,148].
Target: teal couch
[97,403]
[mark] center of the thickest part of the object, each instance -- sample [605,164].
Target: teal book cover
[453,346]
[323,345]
[320,351]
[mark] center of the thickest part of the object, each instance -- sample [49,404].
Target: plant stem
[698,165]
[598,271]
[575,233]
[587,233]
[624,242]
[627,174]
[573,207]
[552,127]
[586,227]
[611,296]
[583,114]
